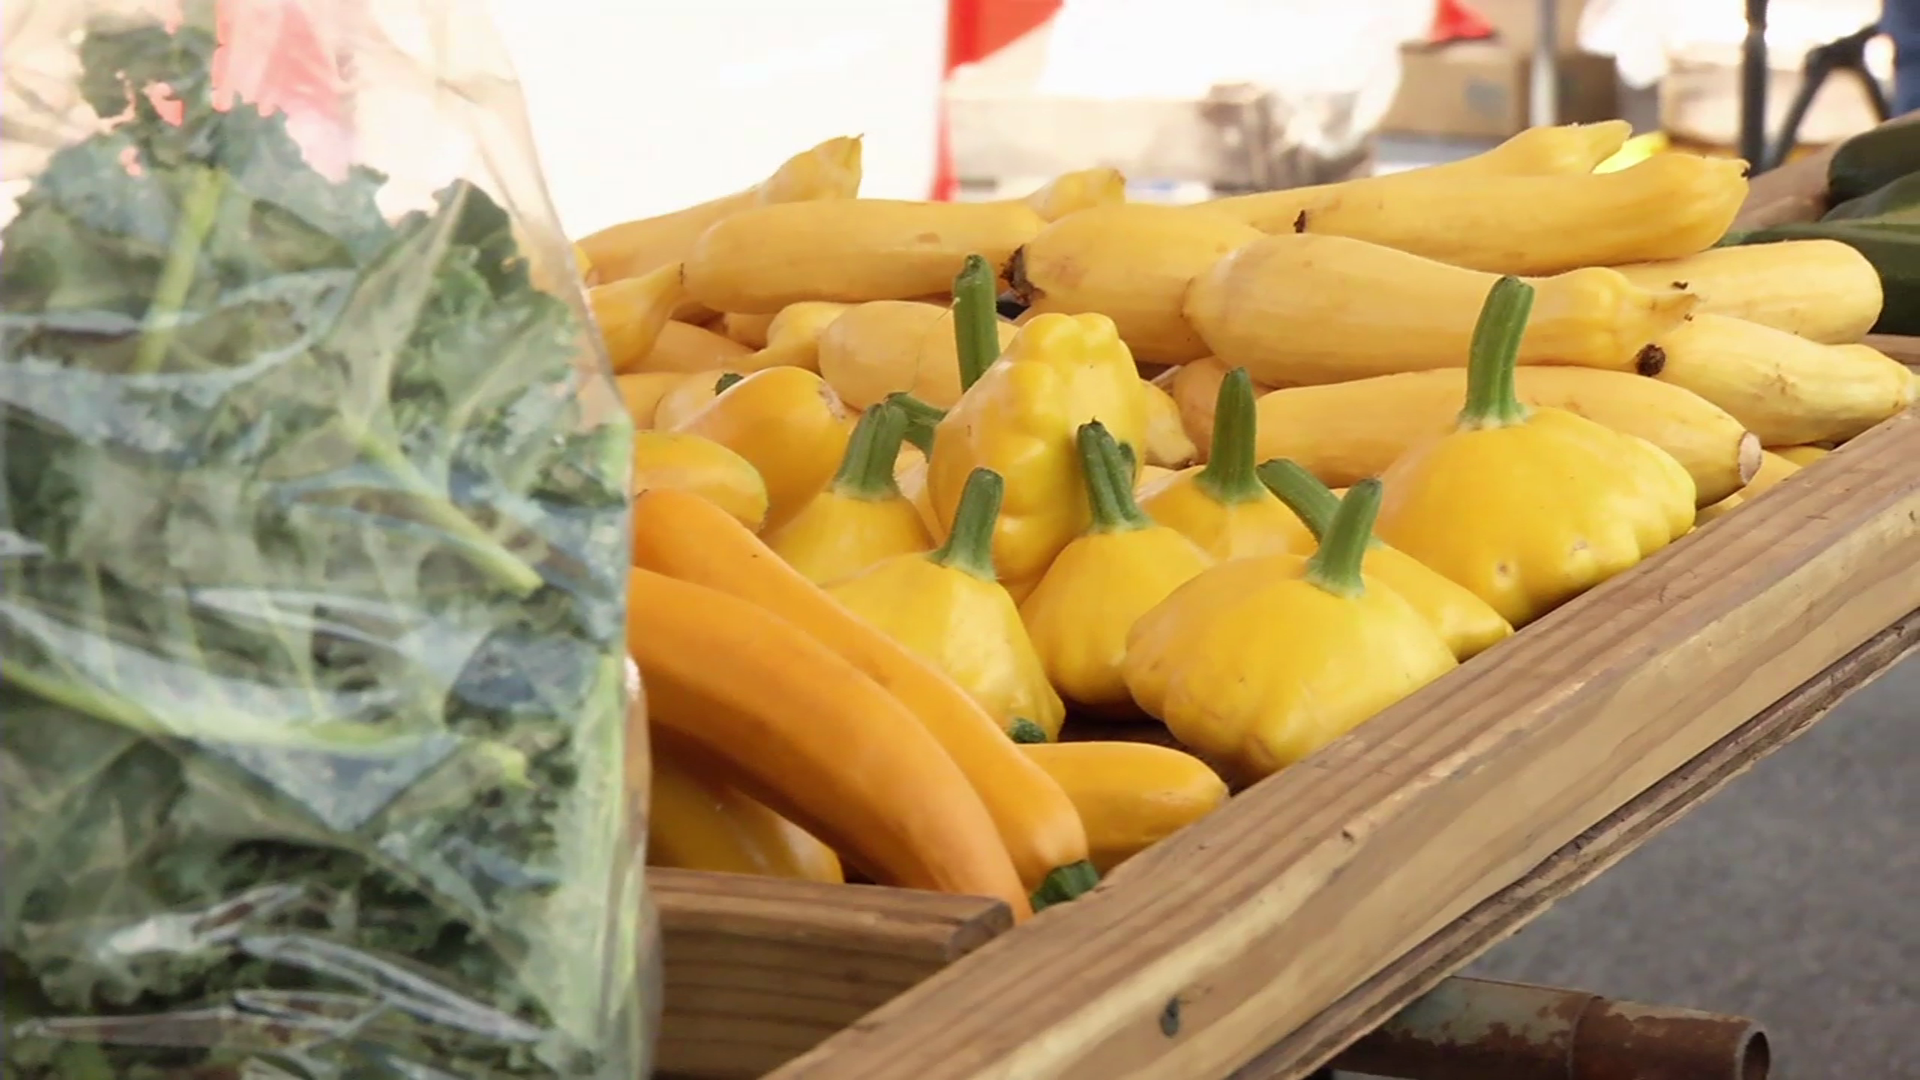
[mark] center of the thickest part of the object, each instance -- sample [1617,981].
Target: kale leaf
[311,618]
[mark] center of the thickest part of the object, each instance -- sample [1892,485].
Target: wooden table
[1266,938]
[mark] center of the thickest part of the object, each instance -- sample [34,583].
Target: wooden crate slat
[1579,862]
[1250,923]
[1899,346]
[758,970]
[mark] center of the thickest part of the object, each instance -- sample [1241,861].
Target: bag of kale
[315,741]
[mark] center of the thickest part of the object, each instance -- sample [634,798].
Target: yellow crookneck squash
[1464,621]
[633,312]
[946,607]
[1774,467]
[1222,506]
[1110,575]
[789,424]
[861,517]
[1168,444]
[699,823]
[1131,795]
[1259,662]
[666,459]
[1018,417]
[1528,508]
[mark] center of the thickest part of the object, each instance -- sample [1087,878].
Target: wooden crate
[1263,940]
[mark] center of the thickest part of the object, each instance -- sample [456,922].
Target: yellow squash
[1567,149]
[1222,506]
[1151,477]
[1773,469]
[910,472]
[1783,388]
[1296,310]
[1528,508]
[861,517]
[1463,620]
[1822,290]
[793,336]
[851,250]
[686,538]
[1131,795]
[687,348]
[688,395]
[1019,419]
[641,394]
[748,330]
[899,346]
[830,170]
[699,823]
[1115,572]
[632,313]
[789,424]
[1343,432]
[798,727]
[583,265]
[1130,262]
[1168,444]
[1802,456]
[1070,193]
[946,608]
[1195,388]
[666,459]
[1666,207]
[1258,663]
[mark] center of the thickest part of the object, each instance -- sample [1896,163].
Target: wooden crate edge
[757,970]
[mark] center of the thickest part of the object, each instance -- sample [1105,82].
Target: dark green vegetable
[1892,246]
[1898,201]
[311,627]
[1873,159]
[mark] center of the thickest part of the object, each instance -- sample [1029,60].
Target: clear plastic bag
[319,754]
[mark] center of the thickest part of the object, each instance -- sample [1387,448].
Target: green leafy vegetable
[311,620]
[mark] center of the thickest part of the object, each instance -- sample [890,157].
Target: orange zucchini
[683,536]
[799,728]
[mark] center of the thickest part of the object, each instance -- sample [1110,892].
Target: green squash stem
[976,319]
[1336,566]
[1064,884]
[969,546]
[1491,399]
[922,418]
[1228,475]
[1313,502]
[866,472]
[1023,730]
[727,382]
[1109,481]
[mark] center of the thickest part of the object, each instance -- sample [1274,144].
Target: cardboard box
[1481,90]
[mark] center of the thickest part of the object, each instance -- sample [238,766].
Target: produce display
[1231,477]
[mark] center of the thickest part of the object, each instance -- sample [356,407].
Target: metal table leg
[1753,88]
[1543,108]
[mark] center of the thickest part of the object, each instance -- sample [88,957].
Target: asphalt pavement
[1791,897]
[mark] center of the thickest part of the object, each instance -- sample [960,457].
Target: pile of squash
[917,480]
